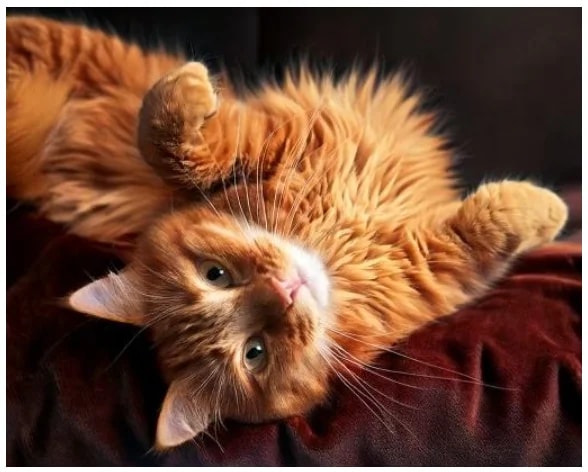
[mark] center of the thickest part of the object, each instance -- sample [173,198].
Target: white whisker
[315,177]
[296,154]
[237,156]
[195,185]
[405,356]
[355,392]
[342,360]
[366,367]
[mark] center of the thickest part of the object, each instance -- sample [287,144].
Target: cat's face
[238,316]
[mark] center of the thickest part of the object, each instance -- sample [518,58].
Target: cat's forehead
[216,234]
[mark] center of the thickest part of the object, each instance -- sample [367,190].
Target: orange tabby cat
[278,231]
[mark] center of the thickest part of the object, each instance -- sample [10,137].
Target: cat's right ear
[113,297]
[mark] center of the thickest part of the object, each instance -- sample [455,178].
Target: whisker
[378,404]
[261,159]
[51,348]
[355,392]
[404,356]
[259,169]
[287,229]
[158,275]
[197,187]
[125,347]
[246,188]
[227,199]
[199,442]
[371,368]
[214,438]
[160,316]
[365,366]
[235,173]
[218,420]
[260,192]
[296,154]
[371,387]
[315,177]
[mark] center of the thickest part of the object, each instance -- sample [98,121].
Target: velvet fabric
[498,383]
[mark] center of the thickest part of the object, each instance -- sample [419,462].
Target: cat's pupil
[215,273]
[254,352]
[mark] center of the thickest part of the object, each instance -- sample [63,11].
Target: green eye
[254,354]
[215,274]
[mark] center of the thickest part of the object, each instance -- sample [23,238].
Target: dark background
[507,81]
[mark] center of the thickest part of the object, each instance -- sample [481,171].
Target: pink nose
[286,289]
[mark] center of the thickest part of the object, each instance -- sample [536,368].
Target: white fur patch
[312,270]
[308,264]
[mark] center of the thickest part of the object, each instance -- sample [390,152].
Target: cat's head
[237,313]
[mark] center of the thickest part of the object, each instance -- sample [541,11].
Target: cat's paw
[519,215]
[189,94]
[170,121]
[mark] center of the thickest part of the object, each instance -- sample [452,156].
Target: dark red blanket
[83,391]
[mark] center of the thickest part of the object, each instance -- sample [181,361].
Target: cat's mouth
[309,271]
[314,281]
[291,288]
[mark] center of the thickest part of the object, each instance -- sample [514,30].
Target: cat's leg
[445,260]
[73,98]
[51,64]
[171,138]
[459,258]
[35,97]
[197,132]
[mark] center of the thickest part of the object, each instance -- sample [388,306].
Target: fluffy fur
[329,205]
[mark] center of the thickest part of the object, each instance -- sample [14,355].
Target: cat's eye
[254,354]
[215,274]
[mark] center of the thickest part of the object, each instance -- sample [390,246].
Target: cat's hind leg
[73,98]
[501,220]
[476,241]
[35,97]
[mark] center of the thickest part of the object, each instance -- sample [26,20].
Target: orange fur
[71,127]
[346,171]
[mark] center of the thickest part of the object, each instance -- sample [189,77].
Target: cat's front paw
[516,215]
[170,122]
[189,94]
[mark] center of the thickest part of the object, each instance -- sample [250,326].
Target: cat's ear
[112,297]
[182,417]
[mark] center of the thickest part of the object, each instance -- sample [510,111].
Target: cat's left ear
[182,417]
[113,297]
